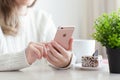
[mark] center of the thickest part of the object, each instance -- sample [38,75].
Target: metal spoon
[95,54]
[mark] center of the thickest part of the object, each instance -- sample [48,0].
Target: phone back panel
[63,36]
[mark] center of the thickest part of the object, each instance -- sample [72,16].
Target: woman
[23,34]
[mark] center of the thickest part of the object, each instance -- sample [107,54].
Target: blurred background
[81,13]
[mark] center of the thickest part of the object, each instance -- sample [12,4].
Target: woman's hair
[9,20]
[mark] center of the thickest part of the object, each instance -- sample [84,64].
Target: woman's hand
[34,51]
[58,56]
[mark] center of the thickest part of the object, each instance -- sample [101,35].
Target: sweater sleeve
[13,61]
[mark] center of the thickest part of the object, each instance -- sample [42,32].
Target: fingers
[56,57]
[59,48]
[58,61]
[40,49]
[36,51]
[53,60]
[55,53]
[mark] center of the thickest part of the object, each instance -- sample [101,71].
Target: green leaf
[107,28]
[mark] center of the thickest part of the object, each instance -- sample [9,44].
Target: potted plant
[107,32]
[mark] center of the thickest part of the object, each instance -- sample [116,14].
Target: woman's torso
[27,33]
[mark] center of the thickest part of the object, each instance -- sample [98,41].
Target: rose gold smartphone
[63,36]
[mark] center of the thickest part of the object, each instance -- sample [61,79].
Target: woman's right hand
[34,51]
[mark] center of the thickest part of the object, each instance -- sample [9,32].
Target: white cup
[83,48]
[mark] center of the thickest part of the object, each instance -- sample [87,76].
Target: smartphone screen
[63,36]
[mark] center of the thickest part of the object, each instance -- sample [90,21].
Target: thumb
[45,52]
[70,44]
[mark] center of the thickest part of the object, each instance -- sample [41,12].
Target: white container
[83,48]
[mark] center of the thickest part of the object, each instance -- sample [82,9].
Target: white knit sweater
[36,26]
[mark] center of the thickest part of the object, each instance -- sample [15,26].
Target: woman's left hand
[58,56]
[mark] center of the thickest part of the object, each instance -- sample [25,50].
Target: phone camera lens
[64,35]
[61,27]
